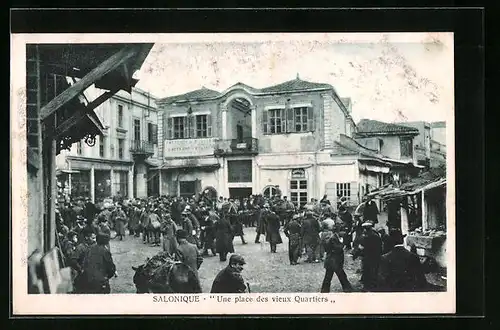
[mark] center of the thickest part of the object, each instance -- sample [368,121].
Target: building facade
[296,136]
[117,164]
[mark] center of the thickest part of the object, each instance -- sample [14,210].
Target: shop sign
[188,147]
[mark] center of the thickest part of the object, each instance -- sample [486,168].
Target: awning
[58,172]
[120,58]
[153,162]
[432,185]
[184,167]
[284,167]
[187,163]
[374,168]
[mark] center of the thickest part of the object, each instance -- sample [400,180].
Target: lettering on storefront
[189,147]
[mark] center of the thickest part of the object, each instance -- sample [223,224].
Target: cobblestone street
[264,271]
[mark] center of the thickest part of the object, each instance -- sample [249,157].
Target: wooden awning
[125,59]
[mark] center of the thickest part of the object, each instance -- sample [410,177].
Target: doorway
[239,193]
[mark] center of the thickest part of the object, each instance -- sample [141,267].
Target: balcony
[245,146]
[141,148]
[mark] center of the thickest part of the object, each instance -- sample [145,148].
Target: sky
[390,77]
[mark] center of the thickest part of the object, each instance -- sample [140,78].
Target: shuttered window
[152,133]
[198,126]
[289,120]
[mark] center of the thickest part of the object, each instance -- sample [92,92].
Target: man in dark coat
[98,267]
[400,270]
[189,255]
[229,280]
[223,238]
[90,210]
[370,248]
[347,222]
[261,221]
[292,230]
[120,221]
[208,235]
[370,211]
[310,236]
[133,224]
[334,261]
[273,230]
[78,258]
[168,230]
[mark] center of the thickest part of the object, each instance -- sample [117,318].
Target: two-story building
[422,141]
[296,135]
[117,164]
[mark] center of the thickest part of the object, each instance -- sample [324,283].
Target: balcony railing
[141,147]
[245,146]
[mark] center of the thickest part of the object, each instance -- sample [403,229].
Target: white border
[352,303]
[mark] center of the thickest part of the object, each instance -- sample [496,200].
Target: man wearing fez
[229,280]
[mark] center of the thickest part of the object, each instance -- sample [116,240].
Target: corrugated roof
[196,95]
[369,126]
[295,85]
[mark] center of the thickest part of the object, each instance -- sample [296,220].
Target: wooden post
[424,212]
[53,194]
[92,184]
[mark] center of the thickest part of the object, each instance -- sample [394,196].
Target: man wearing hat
[400,269]
[346,219]
[189,255]
[370,211]
[310,235]
[98,267]
[229,280]
[370,248]
[292,230]
[334,260]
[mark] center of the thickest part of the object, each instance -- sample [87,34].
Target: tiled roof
[339,149]
[196,95]
[368,126]
[295,85]
[287,86]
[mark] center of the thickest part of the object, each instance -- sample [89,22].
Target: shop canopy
[109,67]
[412,187]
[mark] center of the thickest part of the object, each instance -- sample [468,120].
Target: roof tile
[196,95]
[374,126]
[295,85]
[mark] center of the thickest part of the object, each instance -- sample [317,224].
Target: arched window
[270,191]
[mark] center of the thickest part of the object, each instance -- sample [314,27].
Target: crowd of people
[190,229]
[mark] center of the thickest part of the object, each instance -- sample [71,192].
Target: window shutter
[154,132]
[170,128]
[310,118]
[283,120]
[209,125]
[192,124]
[290,120]
[264,122]
[354,193]
[186,126]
